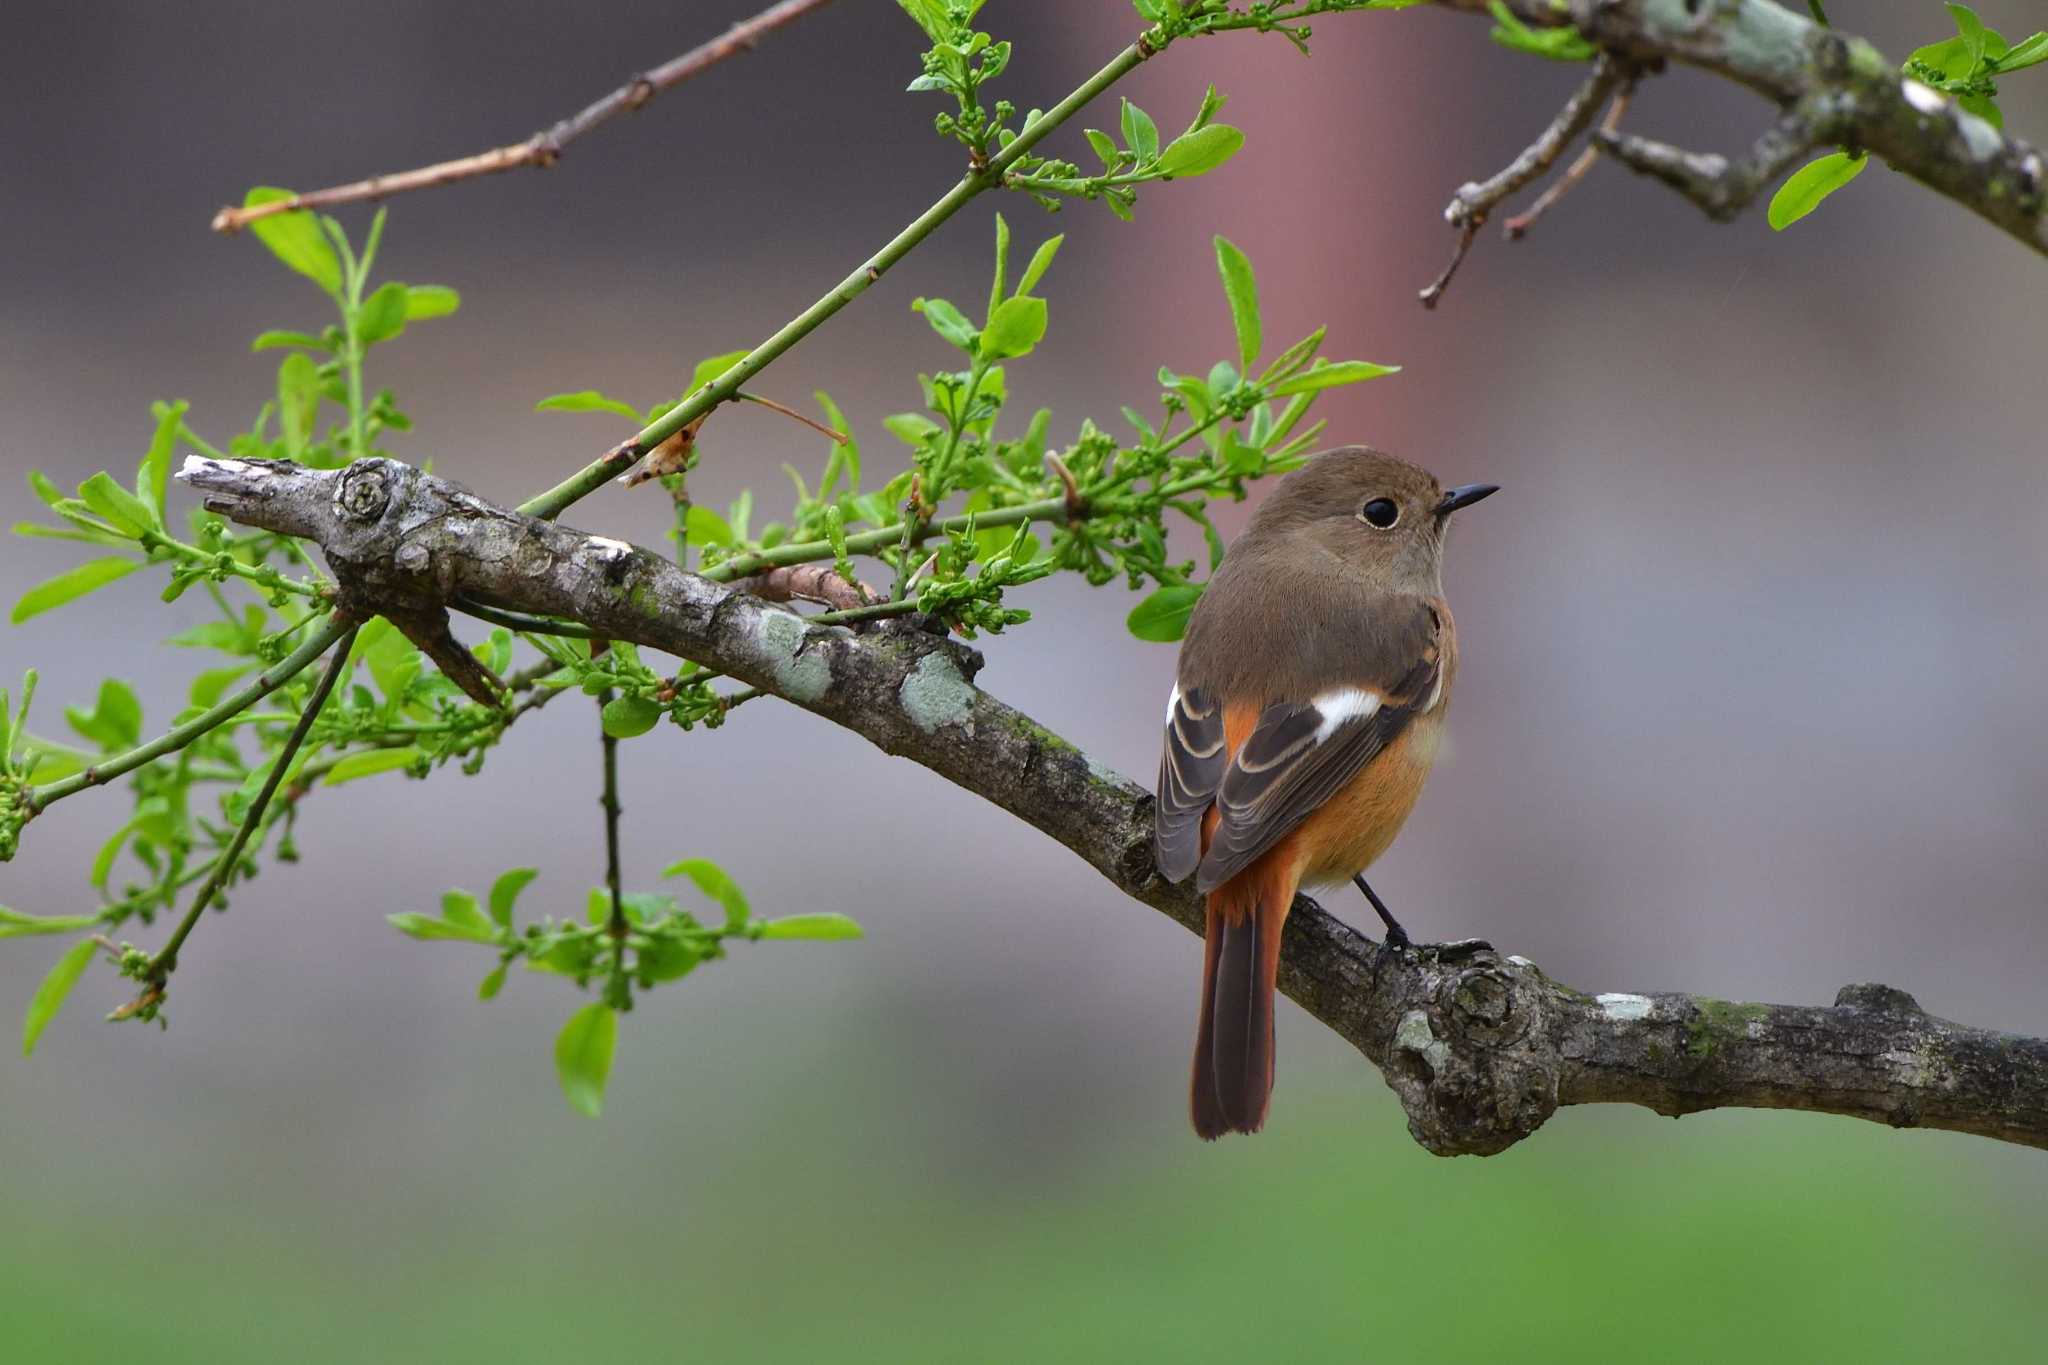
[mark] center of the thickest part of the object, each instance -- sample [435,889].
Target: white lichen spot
[798,675]
[1619,1006]
[934,694]
[1519,960]
[609,549]
[1925,98]
[1984,141]
[1413,1034]
[199,464]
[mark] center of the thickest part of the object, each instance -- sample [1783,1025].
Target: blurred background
[1753,647]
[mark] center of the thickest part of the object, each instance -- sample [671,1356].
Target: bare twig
[1481,1048]
[1841,89]
[1475,199]
[545,148]
[1617,109]
[1720,187]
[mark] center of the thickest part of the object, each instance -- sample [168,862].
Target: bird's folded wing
[1301,753]
[1190,769]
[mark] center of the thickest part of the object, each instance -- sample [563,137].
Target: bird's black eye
[1380,512]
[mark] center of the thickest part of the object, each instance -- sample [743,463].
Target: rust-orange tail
[1233,1070]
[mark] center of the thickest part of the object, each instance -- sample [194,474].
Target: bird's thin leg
[1397,937]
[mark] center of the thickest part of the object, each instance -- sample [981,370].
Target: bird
[1308,703]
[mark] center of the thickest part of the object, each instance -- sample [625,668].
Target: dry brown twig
[1475,199]
[1617,109]
[545,148]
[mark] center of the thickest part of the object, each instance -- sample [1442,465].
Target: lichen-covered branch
[1480,1048]
[1831,88]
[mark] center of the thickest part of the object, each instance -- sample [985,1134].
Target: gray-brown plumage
[1311,691]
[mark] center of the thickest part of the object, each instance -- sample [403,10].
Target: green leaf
[995,292]
[1014,328]
[153,478]
[14,924]
[583,1056]
[911,428]
[489,987]
[460,909]
[1141,135]
[71,584]
[383,314]
[505,892]
[41,486]
[296,239]
[370,762]
[1242,290]
[1558,44]
[115,722]
[278,340]
[1816,180]
[1201,151]
[1984,107]
[625,717]
[947,321]
[587,400]
[430,930]
[1163,617]
[2025,53]
[423,301]
[49,996]
[1041,261]
[1104,145]
[703,526]
[1971,29]
[1328,375]
[929,15]
[713,368]
[115,503]
[820,926]
[210,684]
[298,401]
[712,880]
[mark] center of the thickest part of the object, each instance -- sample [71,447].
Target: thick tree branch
[543,149]
[1832,88]
[1480,1048]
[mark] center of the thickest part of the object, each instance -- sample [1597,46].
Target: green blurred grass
[1769,1237]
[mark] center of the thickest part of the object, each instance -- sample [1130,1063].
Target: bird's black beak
[1465,496]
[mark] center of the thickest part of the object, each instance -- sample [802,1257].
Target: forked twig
[545,148]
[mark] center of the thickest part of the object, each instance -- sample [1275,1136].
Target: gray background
[1752,640]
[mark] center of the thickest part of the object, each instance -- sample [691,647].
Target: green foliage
[1562,44]
[1810,184]
[1965,66]
[653,941]
[983,500]
[1139,159]
[54,990]
[583,1056]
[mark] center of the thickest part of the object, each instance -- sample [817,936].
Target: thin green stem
[178,736]
[866,542]
[166,960]
[612,810]
[878,611]
[515,620]
[552,503]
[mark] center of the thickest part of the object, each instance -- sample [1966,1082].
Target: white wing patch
[1341,704]
[1172,703]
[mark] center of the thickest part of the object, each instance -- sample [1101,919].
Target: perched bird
[1311,693]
